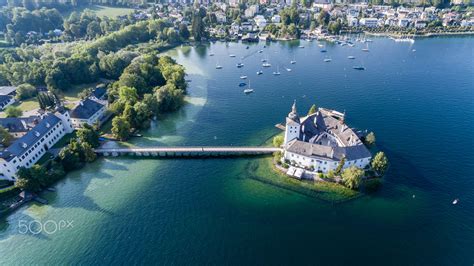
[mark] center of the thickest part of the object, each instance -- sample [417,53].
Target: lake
[173,211]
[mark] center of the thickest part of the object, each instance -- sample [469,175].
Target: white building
[27,150]
[251,11]
[369,22]
[352,21]
[260,21]
[318,142]
[88,111]
[276,19]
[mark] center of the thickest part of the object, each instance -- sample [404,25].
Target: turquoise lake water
[419,104]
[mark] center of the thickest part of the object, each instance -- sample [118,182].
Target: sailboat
[351,57]
[327,60]
[232,55]
[218,66]
[248,89]
[243,77]
[240,64]
[277,73]
[260,72]
[288,69]
[366,49]
[211,54]
[293,61]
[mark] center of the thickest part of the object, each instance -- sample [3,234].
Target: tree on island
[370,139]
[278,141]
[87,134]
[120,128]
[13,111]
[313,109]
[323,17]
[5,137]
[352,177]
[340,166]
[380,163]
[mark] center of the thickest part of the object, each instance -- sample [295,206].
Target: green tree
[278,141]
[13,111]
[120,128]
[352,177]
[312,110]
[340,166]
[5,137]
[25,91]
[69,158]
[323,17]
[370,139]
[184,32]
[380,163]
[334,27]
[87,134]
[88,151]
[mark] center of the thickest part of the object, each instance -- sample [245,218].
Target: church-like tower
[293,126]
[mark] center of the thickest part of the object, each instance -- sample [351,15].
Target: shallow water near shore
[202,211]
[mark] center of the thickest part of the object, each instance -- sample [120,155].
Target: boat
[277,73]
[248,90]
[292,62]
[259,72]
[288,69]
[243,77]
[232,55]
[247,47]
[301,46]
[211,54]
[241,84]
[239,65]
[320,45]
[263,60]
[413,50]
[455,201]
[218,66]
[327,60]
[358,67]
[351,57]
[266,65]
[260,51]
[366,49]
[323,51]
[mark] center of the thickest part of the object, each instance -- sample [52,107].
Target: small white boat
[455,201]
[240,65]
[277,73]
[261,51]
[327,60]
[351,57]
[292,62]
[218,66]
[266,65]
[288,69]
[301,46]
[413,50]
[366,49]
[259,72]
[320,45]
[248,89]
[243,77]
[263,60]
[232,55]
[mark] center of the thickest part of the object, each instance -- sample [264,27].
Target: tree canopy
[352,177]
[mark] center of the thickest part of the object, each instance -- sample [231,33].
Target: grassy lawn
[65,140]
[71,94]
[104,11]
[25,106]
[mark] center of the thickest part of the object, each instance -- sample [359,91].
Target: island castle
[319,141]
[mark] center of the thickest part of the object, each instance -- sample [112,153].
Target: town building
[27,150]
[369,22]
[5,101]
[87,111]
[318,142]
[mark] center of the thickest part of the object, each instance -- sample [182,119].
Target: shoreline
[424,35]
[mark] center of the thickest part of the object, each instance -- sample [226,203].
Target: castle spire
[293,115]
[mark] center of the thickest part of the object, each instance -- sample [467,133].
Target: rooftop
[86,109]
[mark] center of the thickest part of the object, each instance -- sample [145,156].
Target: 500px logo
[48,227]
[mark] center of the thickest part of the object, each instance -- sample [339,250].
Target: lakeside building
[318,142]
[87,112]
[5,101]
[28,149]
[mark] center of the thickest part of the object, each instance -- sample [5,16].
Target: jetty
[190,151]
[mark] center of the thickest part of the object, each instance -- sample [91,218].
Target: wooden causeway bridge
[187,151]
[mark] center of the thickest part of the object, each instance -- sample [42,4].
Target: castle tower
[293,126]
